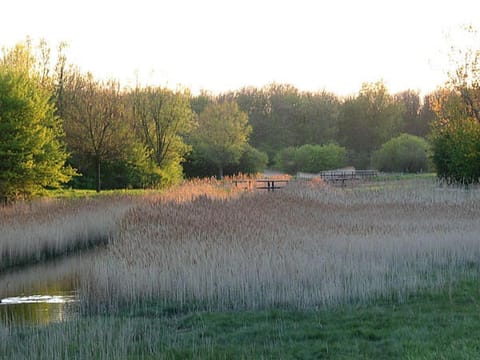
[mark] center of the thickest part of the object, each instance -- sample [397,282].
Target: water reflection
[38,309]
[42,294]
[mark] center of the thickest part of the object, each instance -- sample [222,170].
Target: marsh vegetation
[184,270]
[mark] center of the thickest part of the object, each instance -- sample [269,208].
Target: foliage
[369,120]
[416,117]
[161,119]
[404,153]
[32,156]
[136,170]
[94,120]
[221,135]
[311,158]
[456,131]
[464,80]
[285,160]
[251,161]
[456,150]
[282,116]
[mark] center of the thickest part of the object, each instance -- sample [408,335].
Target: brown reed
[305,246]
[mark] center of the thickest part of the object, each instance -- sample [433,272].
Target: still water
[41,294]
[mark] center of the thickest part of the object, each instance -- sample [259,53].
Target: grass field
[385,271]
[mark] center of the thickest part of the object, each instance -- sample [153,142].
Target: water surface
[42,294]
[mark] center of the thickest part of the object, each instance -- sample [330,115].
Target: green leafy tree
[282,116]
[162,118]
[369,120]
[251,161]
[414,118]
[455,139]
[285,160]
[32,156]
[456,130]
[404,153]
[222,134]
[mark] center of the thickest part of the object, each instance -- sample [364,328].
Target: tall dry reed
[305,246]
[35,231]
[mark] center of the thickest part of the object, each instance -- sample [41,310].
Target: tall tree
[410,100]
[94,120]
[222,134]
[465,77]
[282,116]
[32,155]
[456,131]
[369,120]
[162,117]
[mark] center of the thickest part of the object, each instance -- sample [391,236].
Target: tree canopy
[222,134]
[456,131]
[32,156]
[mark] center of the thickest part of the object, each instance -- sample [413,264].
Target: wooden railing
[336,176]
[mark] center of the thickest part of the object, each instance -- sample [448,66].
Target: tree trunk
[98,183]
[220,172]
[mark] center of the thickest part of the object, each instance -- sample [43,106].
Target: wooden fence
[339,176]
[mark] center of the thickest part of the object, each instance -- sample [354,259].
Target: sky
[222,45]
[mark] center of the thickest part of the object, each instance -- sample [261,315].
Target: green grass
[440,325]
[404,176]
[83,193]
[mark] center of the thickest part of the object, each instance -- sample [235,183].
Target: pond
[42,294]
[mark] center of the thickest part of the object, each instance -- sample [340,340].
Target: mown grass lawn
[445,325]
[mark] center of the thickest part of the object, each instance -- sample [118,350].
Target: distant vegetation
[311,158]
[404,153]
[61,127]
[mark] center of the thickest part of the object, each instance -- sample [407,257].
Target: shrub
[285,160]
[311,158]
[198,164]
[405,153]
[456,151]
[251,161]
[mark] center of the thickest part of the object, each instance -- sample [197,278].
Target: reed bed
[304,247]
[36,231]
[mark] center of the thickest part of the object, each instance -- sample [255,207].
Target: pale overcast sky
[219,45]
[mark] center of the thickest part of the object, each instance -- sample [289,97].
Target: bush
[198,165]
[285,160]
[405,153]
[252,161]
[136,170]
[456,151]
[311,158]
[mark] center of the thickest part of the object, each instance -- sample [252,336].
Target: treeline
[283,117]
[61,126]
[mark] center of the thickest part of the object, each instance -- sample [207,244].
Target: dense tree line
[61,126]
[281,116]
